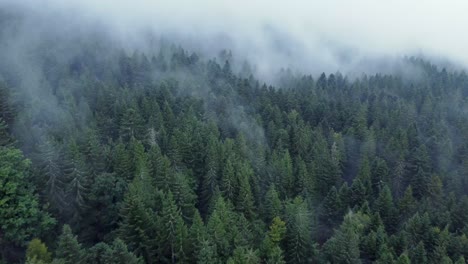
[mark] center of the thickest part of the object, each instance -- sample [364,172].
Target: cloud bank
[309,36]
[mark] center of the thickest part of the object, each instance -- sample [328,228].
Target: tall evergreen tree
[299,233]
[172,232]
[69,250]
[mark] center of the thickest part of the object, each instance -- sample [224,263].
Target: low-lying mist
[306,36]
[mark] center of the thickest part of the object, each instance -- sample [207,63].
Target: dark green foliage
[331,210]
[272,205]
[209,179]
[245,201]
[325,170]
[106,198]
[172,232]
[244,256]
[69,250]
[116,253]
[21,217]
[418,254]
[138,224]
[299,232]
[207,254]
[386,209]
[166,157]
[343,246]
[197,235]
[419,171]
[271,244]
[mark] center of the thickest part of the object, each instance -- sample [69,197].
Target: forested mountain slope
[169,157]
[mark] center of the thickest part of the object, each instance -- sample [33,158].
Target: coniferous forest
[167,156]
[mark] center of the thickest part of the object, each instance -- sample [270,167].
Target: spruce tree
[69,250]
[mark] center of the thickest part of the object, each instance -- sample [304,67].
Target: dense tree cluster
[175,159]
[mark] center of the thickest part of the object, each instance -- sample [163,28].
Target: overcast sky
[308,35]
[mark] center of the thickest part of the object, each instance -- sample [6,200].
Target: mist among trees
[167,154]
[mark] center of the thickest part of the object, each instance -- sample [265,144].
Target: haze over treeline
[233,132]
[310,36]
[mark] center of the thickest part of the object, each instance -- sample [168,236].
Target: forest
[169,156]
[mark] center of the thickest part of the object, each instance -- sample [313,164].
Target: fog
[306,36]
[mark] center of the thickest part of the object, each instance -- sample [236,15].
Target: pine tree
[172,232]
[326,175]
[272,204]
[364,176]
[245,199]
[374,245]
[419,170]
[221,228]
[284,168]
[244,256]
[122,162]
[418,254]
[169,118]
[69,250]
[271,250]
[331,208]
[207,254]
[379,174]
[397,176]
[302,181]
[358,193]
[139,159]
[407,204]
[209,181]
[228,181]
[121,255]
[78,184]
[417,228]
[50,166]
[97,253]
[117,253]
[131,125]
[435,189]
[244,236]
[386,255]
[343,246]
[298,234]
[344,195]
[94,154]
[154,160]
[184,195]
[105,199]
[338,153]
[138,226]
[385,207]
[164,173]
[197,234]
[178,147]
